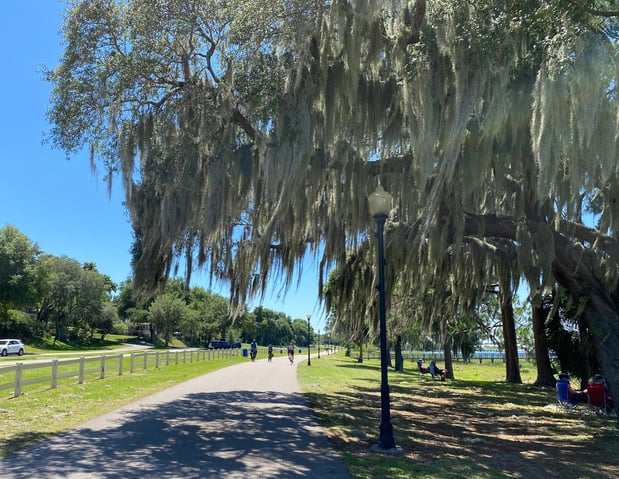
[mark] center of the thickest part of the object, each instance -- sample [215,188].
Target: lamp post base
[385,438]
[394,451]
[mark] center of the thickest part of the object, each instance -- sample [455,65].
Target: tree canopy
[18,272]
[247,135]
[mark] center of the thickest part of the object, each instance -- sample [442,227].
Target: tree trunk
[399,360]
[590,364]
[512,368]
[449,368]
[545,375]
[577,269]
[579,273]
[360,357]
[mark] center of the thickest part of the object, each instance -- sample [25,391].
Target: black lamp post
[309,361]
[319,343]
[380,205]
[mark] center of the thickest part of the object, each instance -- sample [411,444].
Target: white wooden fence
[55,369]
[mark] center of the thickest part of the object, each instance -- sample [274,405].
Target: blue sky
[59,204]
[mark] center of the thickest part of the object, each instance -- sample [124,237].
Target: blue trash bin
[245,353]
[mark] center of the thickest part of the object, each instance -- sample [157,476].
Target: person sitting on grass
[421,368]
[436,371]
[566,393]
[598,393]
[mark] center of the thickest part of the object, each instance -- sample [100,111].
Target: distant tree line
[42,295]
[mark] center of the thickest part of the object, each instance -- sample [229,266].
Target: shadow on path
[201,435]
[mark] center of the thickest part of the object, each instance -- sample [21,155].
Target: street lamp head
[309,316]
[380,202]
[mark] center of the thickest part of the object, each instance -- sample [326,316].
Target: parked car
[223,344]
[11,346]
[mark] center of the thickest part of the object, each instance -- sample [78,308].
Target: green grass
[48,345]
[477,426]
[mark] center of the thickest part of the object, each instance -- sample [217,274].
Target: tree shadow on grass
[11,445]
[458,429]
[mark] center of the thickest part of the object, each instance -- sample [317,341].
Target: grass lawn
[48,345]
[476,426]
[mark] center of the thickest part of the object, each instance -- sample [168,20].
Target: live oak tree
[248,134]
[166,313]
[74,299]
[19,274]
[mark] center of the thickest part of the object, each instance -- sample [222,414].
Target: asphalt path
[244,421]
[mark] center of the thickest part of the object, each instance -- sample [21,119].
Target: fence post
[121,360]
[191,356]
[167,357]
[54,373]
[184,356]
[145,359]
[132,363]
[18,379]
[176,357]
[102,369]
[80,379]
[157,360]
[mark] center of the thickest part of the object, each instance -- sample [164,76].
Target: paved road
[245,421]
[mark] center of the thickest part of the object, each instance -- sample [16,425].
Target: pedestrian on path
[291,353]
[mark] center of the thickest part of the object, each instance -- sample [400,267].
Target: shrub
[19,324]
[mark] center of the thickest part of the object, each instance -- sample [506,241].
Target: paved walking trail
[245,421]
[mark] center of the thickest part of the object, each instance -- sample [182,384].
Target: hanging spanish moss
[247,138]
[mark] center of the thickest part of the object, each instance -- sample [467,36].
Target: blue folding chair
[563,399]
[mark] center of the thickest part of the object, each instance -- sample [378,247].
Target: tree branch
[602,13]
[239,119]
[585,234]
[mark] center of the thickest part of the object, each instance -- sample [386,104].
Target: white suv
[11,346]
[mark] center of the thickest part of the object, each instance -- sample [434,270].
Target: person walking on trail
[253,349]
[270,352]
[291,353]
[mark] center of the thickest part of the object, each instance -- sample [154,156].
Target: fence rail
[49,372]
